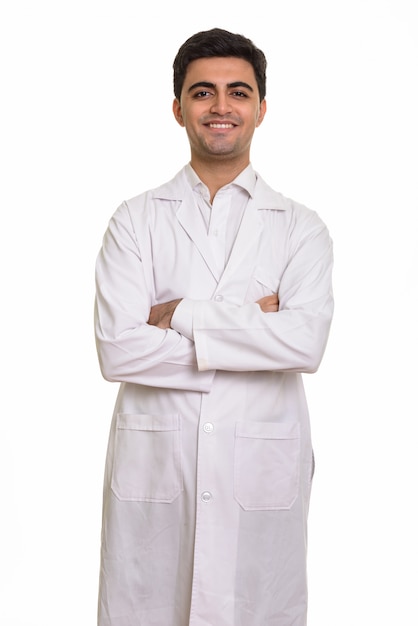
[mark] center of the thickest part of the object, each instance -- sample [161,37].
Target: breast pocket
[262,283]
[147,458]
[266,465]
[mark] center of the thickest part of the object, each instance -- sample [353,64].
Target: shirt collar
[246,179]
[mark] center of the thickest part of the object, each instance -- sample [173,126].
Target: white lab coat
[209,463]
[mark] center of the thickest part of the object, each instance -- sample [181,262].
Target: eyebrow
[238,83]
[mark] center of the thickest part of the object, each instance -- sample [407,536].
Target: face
[220,108]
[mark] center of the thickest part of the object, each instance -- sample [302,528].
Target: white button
[219,298]
[206,496]
[208,427]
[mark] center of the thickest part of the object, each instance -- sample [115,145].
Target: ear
[177,112]
[262,112]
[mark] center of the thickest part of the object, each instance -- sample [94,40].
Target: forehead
[220,71]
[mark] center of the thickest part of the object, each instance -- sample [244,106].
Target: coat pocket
[147,458]
[266,465]
[262,283]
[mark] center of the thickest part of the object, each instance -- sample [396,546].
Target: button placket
[206,457]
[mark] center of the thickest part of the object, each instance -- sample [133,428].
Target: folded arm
[161,314]
[129,348]
[292,338]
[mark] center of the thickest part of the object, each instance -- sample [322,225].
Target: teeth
[221,125]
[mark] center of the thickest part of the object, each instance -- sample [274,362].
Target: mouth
[221,125]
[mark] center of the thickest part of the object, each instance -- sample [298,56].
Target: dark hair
[218,43]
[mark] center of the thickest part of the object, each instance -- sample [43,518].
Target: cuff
[182,319]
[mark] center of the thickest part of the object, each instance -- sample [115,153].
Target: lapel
[244,256]
[240,266]
[189,217]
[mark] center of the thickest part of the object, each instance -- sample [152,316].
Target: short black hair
[219,43]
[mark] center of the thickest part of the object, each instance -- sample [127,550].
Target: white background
[86,122]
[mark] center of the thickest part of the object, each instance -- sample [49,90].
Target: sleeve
[129,349]
[243,338]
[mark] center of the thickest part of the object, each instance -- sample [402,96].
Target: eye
[239,94]
[201,94]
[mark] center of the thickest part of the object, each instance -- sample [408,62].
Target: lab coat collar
[263,196]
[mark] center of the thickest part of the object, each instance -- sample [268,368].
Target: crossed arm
[161,314]
[205,339]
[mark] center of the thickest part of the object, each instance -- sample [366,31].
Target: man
[213,296]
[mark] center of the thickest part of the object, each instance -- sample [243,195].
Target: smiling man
[213,297]
[220,113]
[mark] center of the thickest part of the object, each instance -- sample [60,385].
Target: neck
[217,174]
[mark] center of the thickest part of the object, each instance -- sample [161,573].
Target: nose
[220,104]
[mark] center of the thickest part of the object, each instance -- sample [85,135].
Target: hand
[161,314]
[269,304]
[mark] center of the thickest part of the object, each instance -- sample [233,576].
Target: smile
[221,125]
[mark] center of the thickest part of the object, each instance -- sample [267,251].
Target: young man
[213,296]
